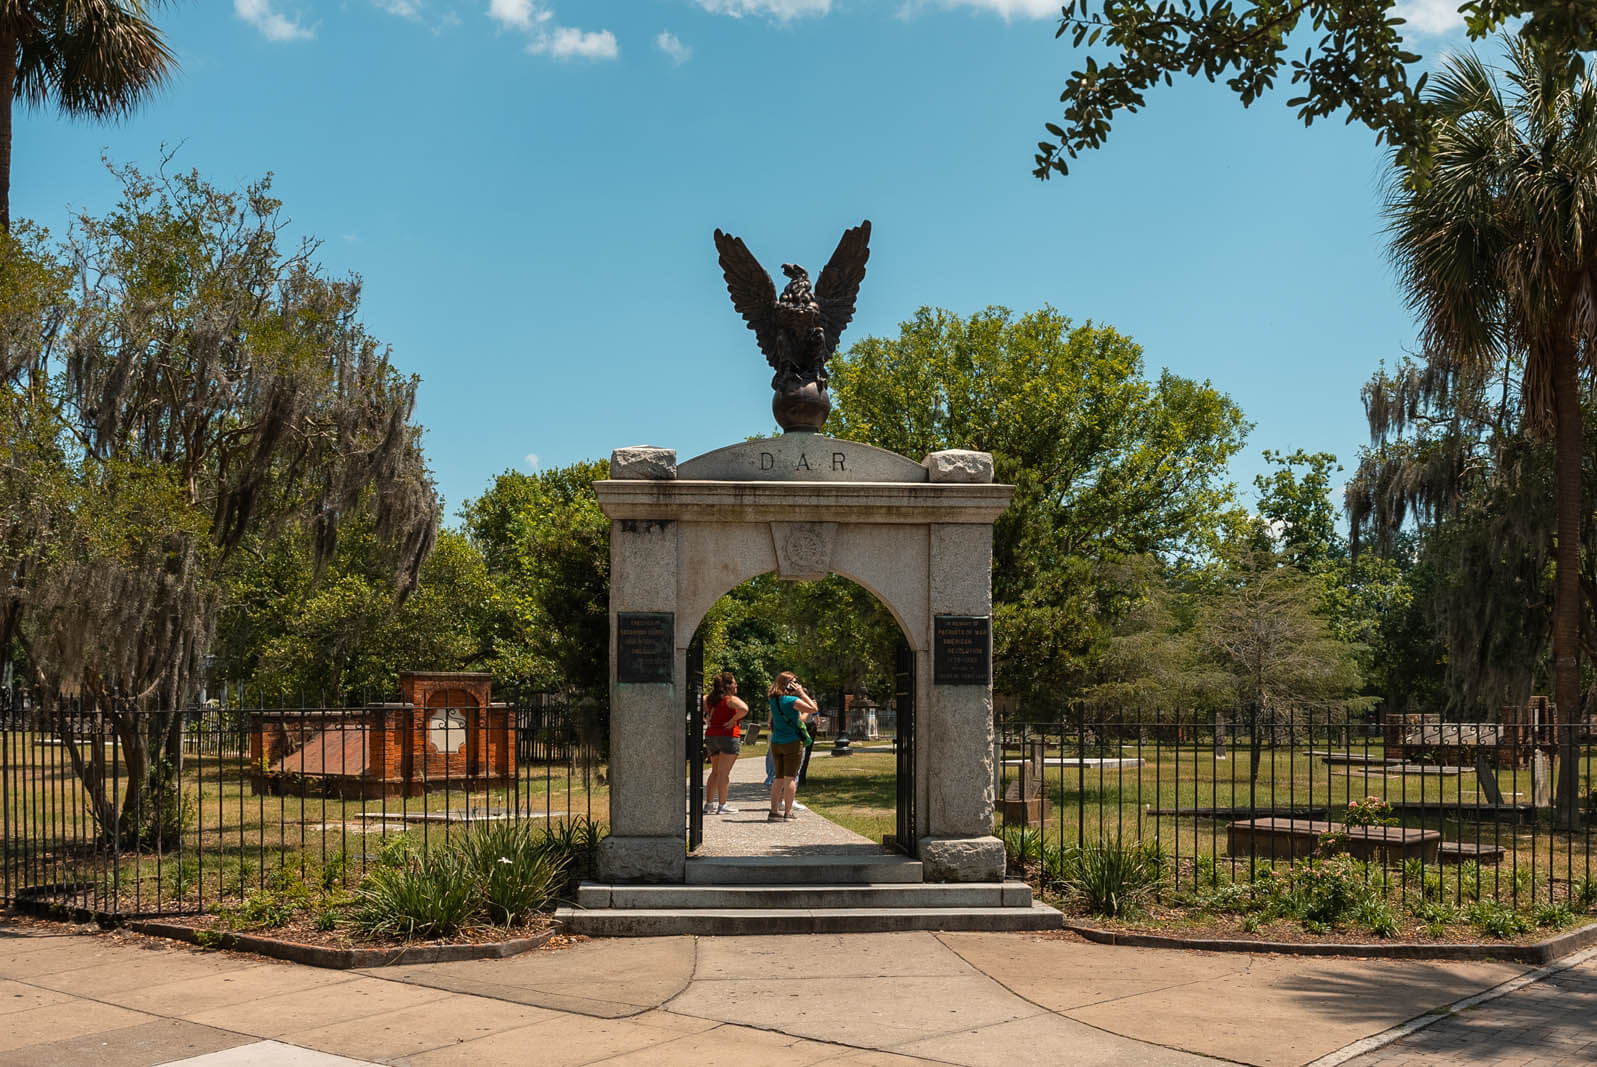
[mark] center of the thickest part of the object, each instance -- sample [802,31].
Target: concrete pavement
[903,998]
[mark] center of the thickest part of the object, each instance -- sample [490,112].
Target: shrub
[265,908]
[1371,811]
[575,846]
[1376,913]
[430,896]
[513,868]
[1112,878]
[396,851]
[1435,917]
[1498,920]
[1553,913]
[1584,891]
[334,870]
[1323,892]
[1427,878]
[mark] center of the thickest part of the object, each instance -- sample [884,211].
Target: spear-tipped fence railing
[102,814]
[1464,810]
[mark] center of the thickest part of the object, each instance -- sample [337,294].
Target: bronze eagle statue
[798,331]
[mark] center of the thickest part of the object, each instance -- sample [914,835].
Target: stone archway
[918,536]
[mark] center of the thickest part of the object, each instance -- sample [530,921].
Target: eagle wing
[840,281]
[753,293]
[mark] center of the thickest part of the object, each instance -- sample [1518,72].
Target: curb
[1541,952]
[340,958]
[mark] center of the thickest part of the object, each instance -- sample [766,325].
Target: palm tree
[1495,241]
[92,58]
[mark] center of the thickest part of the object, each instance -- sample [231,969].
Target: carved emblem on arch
[803,549]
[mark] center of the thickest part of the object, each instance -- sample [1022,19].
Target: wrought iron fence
[144,813]
[1460,812]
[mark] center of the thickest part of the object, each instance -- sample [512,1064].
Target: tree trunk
[8,89]
[1569,446]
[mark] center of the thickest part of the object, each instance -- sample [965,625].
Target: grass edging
[339,958]
[1538,953]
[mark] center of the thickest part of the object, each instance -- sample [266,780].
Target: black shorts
[722,745]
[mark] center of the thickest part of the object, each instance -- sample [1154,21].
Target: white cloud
[777,9]
[563,42]
[273,26]
[520,14]
[548,38]
[405,9]
[531,460]
[1434,17]
[672,46]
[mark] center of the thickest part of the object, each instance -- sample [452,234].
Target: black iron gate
[904,742]
[695,726]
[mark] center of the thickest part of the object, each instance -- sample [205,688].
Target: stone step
[594,895]
[662,922]
[802,870]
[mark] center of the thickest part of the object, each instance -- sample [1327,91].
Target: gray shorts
[721,745]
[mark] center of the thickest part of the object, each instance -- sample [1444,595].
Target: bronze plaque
[962,650]
[645,646]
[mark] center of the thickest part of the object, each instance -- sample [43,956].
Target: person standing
[791,707]
[723,740]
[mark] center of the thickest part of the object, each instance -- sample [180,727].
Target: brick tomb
[445,733]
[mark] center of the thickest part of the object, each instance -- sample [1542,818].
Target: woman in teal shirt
[791,708]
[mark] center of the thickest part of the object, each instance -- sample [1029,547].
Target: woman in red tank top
[723,712]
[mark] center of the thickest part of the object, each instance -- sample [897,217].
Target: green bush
[1112,878]
[1553,913]
[1436,917]
[430,896]
[1498,920]
[574,844]
[396,852]
[1324,892]
[265,908]
[514,868]
[335,869]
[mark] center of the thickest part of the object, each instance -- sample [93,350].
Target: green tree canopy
[548,545]
[192,387]
[1107,464]
[1355,61]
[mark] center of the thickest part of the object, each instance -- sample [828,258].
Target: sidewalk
[113,1000]
[749,833]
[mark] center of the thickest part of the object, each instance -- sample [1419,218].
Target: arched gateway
[916,535]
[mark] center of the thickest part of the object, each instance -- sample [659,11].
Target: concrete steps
[803,895]
[596,896]
[649,922]
[867,869]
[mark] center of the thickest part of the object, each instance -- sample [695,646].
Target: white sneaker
[709,808]
[726,809]
[799,807]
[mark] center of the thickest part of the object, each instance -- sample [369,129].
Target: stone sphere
[801,406]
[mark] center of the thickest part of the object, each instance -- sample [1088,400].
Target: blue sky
[528,188]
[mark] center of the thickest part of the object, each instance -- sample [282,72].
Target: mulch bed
[300,942]
[1170,928]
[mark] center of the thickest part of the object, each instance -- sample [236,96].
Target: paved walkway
[1550,1023]
[111,1000]
[748,833]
